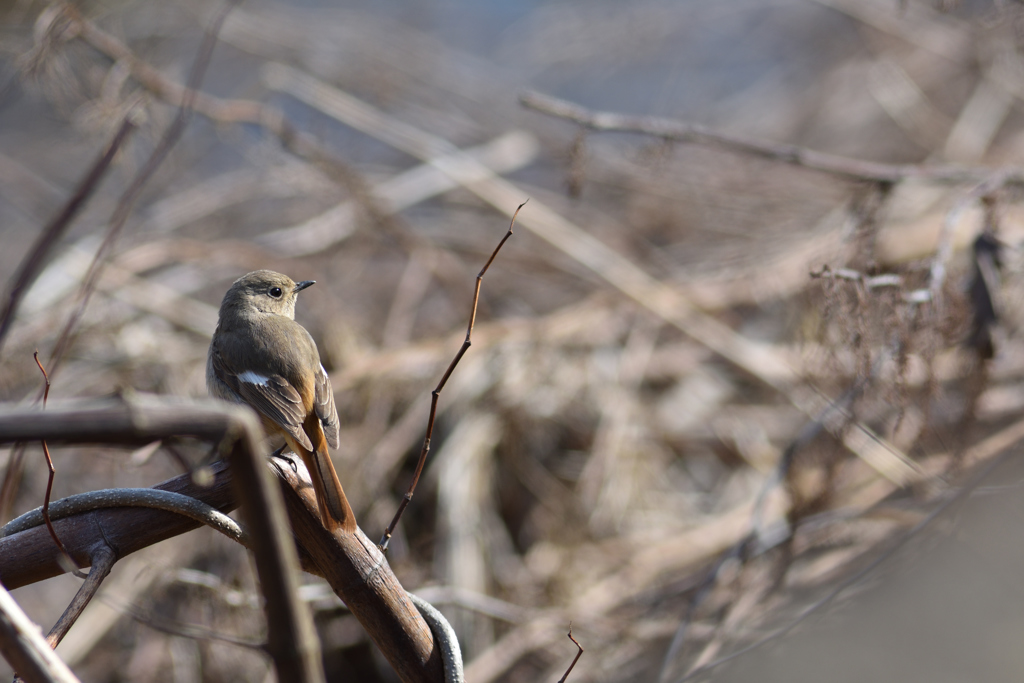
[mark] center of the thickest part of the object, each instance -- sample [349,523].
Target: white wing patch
[250,377]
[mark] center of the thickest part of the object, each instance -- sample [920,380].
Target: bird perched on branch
[261,357]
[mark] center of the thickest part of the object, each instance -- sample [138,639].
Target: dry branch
[102,560]
[682,131]
[579,653]
[358,572]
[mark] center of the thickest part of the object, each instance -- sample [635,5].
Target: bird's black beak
[299,286]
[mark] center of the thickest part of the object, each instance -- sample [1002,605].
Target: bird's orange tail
[335,511]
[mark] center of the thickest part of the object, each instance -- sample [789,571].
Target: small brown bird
[261,357]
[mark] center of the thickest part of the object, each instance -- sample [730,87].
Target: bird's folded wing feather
[273,397]
[323,404]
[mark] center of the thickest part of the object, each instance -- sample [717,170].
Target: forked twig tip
[579,653]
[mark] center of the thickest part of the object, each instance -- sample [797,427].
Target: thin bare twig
[71,566]
[103,558]
[579,654]
[682,131]
[436,393]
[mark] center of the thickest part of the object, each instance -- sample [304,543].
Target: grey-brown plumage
[261,357]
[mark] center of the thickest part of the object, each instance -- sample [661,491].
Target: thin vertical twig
[436,393]
[71,565]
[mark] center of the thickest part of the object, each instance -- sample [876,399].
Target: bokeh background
[598,458]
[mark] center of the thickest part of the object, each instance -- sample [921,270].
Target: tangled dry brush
[713,375]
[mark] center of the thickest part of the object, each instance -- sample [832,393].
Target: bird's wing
[323,404]
[273,397]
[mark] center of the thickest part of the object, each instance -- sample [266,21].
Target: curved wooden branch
[30,556]
[105,499]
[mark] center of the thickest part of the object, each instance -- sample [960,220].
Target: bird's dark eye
[275,292]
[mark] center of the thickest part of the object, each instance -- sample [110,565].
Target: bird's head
[264,291]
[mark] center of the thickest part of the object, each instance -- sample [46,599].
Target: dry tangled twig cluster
[707,388]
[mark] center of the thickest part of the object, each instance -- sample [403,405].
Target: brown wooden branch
[683,131]
[359,573]
[351,563]
[30,556]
